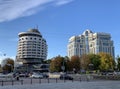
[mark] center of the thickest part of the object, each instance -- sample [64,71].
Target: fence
[31,81]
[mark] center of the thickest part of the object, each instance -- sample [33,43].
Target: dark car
[66,77]
[45,75]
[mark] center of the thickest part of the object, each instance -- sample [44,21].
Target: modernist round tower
[32,49]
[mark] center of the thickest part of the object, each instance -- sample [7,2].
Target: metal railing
[24,81]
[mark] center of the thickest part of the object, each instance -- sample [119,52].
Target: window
[90,45]
[105,44]
[81,46]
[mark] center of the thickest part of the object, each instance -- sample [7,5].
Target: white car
[36,75]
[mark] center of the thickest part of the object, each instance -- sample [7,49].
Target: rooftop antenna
[37,26]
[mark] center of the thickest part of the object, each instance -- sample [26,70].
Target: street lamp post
[63,66]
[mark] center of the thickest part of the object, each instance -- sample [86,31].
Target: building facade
[32,49]
[90,42]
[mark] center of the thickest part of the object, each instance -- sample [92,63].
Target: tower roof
[30,32]
[34,30]
[87,32]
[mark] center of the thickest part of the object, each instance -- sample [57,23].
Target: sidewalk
[69,85]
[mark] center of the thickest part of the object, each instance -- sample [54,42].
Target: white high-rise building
[32,48]
[90,42]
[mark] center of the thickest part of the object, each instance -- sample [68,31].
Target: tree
[7,65]
[75,63]
[107,62]
[67,63]
[0,68]
[84,61]
[56,64]
[118,62]
[69,66]
[95,60]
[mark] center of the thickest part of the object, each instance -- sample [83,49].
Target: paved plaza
[69,85]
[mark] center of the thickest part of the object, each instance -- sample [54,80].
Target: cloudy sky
[57,21]
[13,9]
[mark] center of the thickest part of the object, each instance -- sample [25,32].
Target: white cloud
[0,52]
[62,2]
[12,9]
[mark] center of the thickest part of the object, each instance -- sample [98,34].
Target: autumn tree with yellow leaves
[107,62]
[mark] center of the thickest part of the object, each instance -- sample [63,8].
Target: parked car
[103,73]
[23,75]
[66,77]
[35,75]
[45,75]
[110,73]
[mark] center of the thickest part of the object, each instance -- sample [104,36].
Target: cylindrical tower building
[32,49]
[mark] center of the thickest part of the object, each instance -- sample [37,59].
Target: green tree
[95,60]
[118,62]
[67,63]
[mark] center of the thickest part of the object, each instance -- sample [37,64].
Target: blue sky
[57,21]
